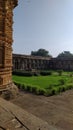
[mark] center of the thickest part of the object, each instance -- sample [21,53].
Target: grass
[47,85]
[42,81]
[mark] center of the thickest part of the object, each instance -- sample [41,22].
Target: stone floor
[13,117]
[55,110]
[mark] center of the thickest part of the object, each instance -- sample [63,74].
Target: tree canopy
[65,54]
[40,52]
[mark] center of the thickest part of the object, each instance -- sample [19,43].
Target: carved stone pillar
[6,22]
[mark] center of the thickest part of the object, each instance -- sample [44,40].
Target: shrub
[71,74]
[70,85]
[23,87]
[22,73]
[48,93]
[62,81]
[50,87]
[36,74]
[60,88]
[19,85]
[28,88]
[63,88]
[41,91]
[55,91]
[60,72]
[33,89]
[45,73]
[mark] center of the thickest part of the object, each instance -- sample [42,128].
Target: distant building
[28,62]
[61,64]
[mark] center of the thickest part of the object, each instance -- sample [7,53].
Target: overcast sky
[44,24]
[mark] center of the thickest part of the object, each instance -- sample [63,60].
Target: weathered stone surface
[6,22]
[61,64]
[10,92]
[57,110]
[28,62]
[13,117]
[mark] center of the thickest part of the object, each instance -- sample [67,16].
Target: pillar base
[10,92]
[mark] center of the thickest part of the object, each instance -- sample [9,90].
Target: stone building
[6,22]
[28,62]
[61,64]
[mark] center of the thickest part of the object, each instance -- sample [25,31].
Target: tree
[40,52]
[65,54]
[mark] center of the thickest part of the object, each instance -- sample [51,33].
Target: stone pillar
[6,22]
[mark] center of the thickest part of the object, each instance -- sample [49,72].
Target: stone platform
[13,117]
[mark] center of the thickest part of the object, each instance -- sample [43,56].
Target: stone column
[6,22]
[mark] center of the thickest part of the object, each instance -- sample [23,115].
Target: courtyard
[56,110]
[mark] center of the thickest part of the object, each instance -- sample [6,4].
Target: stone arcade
[28,62]
[6,22]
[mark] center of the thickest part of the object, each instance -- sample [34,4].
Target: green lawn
[42,81]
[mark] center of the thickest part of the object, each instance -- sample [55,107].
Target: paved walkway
[13,117]
[56,110]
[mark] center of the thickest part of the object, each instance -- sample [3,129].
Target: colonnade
[24,62]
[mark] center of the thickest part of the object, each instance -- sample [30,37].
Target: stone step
[13,117]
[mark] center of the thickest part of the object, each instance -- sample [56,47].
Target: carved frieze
[1,56]
[1,80]
[6,22]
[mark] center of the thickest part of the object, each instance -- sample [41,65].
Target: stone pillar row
[23,62]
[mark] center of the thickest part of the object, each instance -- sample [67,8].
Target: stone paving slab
[57,110]
[13,117]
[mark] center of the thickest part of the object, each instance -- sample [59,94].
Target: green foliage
[40,91]
[45,73]
[33,89]
[40,52]
[65,54]
[36,73]
[26,73]
[45,85]
[69,86]
[71,74]
[22,73]
[62,81]
[60,72]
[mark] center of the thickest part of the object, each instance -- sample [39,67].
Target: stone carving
[1,80]
[6,22]
[28,62]
[1,56]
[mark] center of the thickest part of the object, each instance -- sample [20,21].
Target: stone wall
[61,64]
[27,62]
[6,22]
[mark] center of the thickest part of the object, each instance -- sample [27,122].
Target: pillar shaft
[6,22]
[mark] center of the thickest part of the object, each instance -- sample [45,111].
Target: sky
[46,24]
